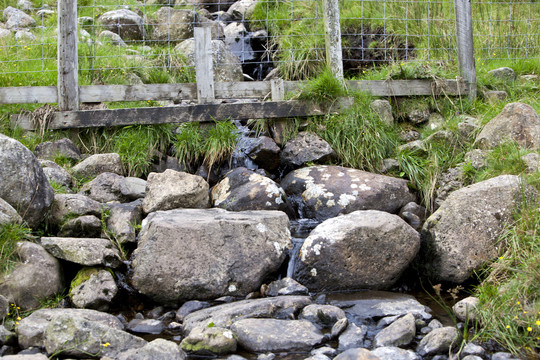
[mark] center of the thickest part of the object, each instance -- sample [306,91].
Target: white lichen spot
[261,227]
[228,334]
[313,191]
[220,192]
[268,203]
[345,199]
[326,176]
[313,272]
[364,187]
[232,288]
[279,248]
[354,186]
[355,180]
[331,202]
[279,200]
[317,249]
[355,192]
[340,174]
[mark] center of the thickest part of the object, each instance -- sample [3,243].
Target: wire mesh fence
[131,42]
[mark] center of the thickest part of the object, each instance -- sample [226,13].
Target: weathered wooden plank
[102,93]
[204,67]
[410,87]
[332,36]
[278,89]
[28,95]
[465,44]
[68,63]
[190,113]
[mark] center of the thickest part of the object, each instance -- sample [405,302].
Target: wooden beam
[190,113]
[204,65]
[28,95]
[410,87]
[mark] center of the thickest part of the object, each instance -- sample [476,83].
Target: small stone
[339,327]
[503,356]
[436,121]
[213,340]
[419,116]
[503,73]
[384,110]
[322,316]
[465,309]
[399,333]
[416,146]
[494,96]
[395,353]
[190,306]
[409,136]
[286,286]
[389,165]
[146,326]
[357,354]
[439,341]
[473,349]
[532,160]
[352,337]
[472,357]
[435,324]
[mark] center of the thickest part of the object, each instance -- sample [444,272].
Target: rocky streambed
[175,266]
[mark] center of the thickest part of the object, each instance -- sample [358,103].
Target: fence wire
[132,42]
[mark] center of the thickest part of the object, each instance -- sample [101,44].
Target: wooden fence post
[465,44]
[204,68]
[68,62]
[332,35]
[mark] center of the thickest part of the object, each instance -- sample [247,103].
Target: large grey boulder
[323,192]
[93,288]
[363,249]
[97,164]
[439,341]
[110,187]
[243,189]
[369,305]
[175,189]
[8,215]
[68,206]
[227,66]
[37,276]
[123,22]
[259,335]
[306,147]
[30,330]
[24,184]
[159,349]
[78,337]
[517,122]
[64,148]
[174,25]
[400,333]
[17,19]
[225,315]
[464,232]
[250,244]
[242,9]
[83,251]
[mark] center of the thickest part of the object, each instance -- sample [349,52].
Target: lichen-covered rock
[273,335]
[123,220]
[93,288]
[250,244]
[56,173]
[463,233]
[67,206]
[24,184]
[323,192]
[97,164]
[82,226]
[503,73]
[63,148]
[38,275]
[83,251]
[110,187]
[439,341]
[243,189]
[174,25]
[213,340]
[363,249]
[517,122]
[384,110]
[159,349]
[123,22]
[8,215]
[175,189]
[305,147]
[17,19]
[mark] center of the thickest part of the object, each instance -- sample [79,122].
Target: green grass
[10,234]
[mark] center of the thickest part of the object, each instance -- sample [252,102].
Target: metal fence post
[332,34]
[68,62]
[465,44]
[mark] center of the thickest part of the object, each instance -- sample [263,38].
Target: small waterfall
[300,230]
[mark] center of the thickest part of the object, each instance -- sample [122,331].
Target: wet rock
[190,306]
[532,160]
[395,353]
[146,326]
[377,304]
[174,25]
[123,22]
[83,251]
[8,215]
[439,341]
[17,19]
[174,189]
[323,192]
[243,189]
[465,310]
[352,337]
[159,349]
[473,349]
[285,286]
[265,153]
[503,73]
[462,234]
[24,184]
[110,187]
[97,164]
[56,173]
[251,244]
[78,337]
[363,249]
[339,327]
[399,333]
[224,315]
[238,41]
[414,215]
[36,276]
[384,110]
[30,331]
[227,66]
[242,9]
[66,206]
[87,225]
[517,122]
[93,288]
[357,354]
[123,220]
[209,340]
[63,148]
[260,335]
[305,147]
[322,316]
